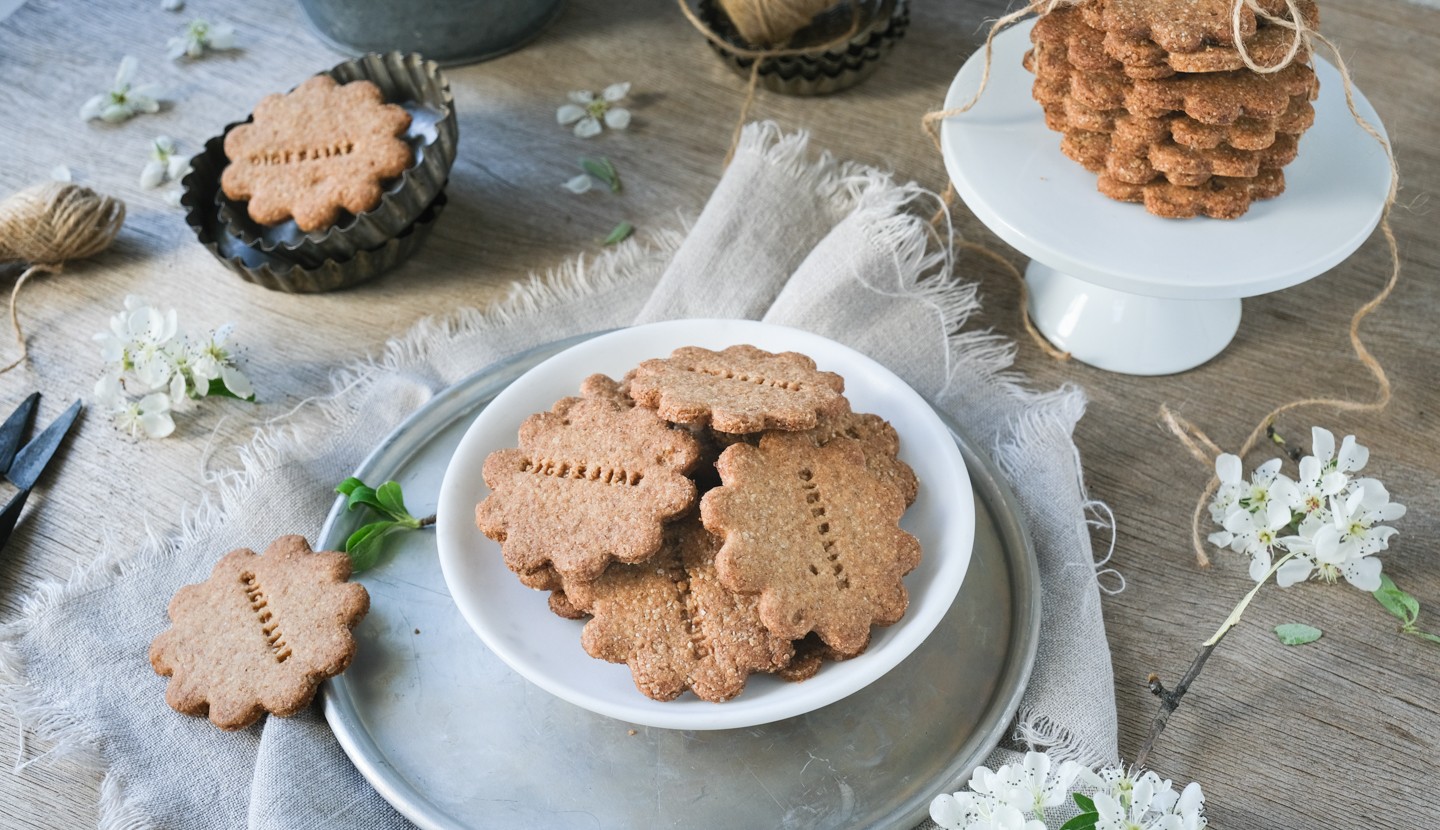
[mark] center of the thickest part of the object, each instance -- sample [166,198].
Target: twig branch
[1170,698]
[427,521]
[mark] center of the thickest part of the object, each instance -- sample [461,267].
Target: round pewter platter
[453,738]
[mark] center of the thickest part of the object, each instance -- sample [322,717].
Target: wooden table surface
[1341,733]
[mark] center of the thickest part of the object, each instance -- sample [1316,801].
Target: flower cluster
[154,369]
[1029,795]
[1326,523]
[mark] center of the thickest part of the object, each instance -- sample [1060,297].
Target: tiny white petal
[176,47]
[1228,468]
[172,5]
[580,184]
[617,118]
[222,36]
[126,72]
[153,174]
[588,127]
[93,107]
[115,113]
[582,96]
[569,114]
[61,173]
[1363,573]
[173,196]
[177,168]
[236,382]
[1352,456]
[1296,570]
[615,92]
[1322,444]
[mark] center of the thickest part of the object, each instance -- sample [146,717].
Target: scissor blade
[10,515]
[31,460]
[14,429]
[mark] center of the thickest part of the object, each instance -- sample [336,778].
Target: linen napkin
[787,237]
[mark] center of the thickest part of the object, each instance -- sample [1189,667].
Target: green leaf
[1084,802]
[392,501]
[219,389]
[364,495]
[620,234]
[603,170]
[363,546]
[1084,821]
[1424,635]
[1405,607]
[1297,634]
[345,487]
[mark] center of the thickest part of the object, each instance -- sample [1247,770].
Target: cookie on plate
[815,534]
[676,625]
[739,390]
[592,481]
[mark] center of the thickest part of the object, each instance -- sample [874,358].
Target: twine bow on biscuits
[47,225]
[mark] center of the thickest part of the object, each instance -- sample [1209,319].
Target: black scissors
[23,465]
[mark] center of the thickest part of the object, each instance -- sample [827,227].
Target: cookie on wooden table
[260,634]
[815,534]
[676,625]
[591,481]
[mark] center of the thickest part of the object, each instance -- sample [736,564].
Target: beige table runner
[817,244]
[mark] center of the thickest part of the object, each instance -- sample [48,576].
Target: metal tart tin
[823,71]
[414,83]
[272,268]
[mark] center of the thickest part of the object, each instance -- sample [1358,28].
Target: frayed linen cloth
[789,237]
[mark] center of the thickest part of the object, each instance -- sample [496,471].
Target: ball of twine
[47,225]
[772,22]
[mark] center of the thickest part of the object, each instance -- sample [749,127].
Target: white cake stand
[1129,292]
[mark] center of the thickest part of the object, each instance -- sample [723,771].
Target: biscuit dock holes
[822,527]
[316,153]
[758,380]
[268,625]
[551,468]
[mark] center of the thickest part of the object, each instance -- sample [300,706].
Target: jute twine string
[1195,441]
[768,21]
[759,56]
[48,225]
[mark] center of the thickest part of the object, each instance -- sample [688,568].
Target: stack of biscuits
[1155,97]
[711,515]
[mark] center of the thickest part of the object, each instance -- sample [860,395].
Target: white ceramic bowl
[516,624]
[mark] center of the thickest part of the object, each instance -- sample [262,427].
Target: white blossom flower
[587,111]
[172,5]
[165,163]
[1257,535]
[200,36]
[1268,485]
[580,184]
[1345,543]
[150,415]
[1131,800]
[138,324]
[123,100]
[215,359]
[969,811]
[1352,456]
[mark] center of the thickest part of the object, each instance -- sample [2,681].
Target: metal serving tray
[453,738]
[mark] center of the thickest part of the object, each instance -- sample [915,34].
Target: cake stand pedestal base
[1123,332]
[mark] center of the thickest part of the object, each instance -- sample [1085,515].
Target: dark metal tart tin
[417,85]
[825,70]
[273,268]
